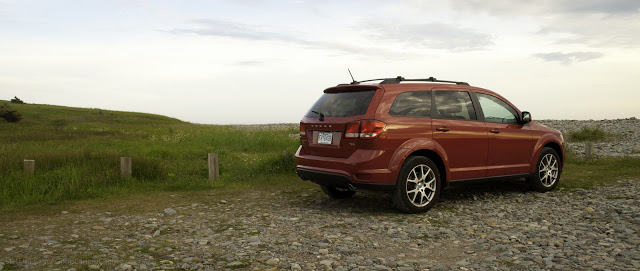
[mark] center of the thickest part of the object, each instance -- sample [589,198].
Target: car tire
[418,186]
[337,192]
[547,174]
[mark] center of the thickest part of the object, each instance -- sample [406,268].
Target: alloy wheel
[548,170]
[421,185]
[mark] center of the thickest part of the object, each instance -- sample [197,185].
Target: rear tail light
[364,129]
[302,130]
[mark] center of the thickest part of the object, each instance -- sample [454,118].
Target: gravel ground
[480,226]
[488,226]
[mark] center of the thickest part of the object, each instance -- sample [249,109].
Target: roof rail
[399,79]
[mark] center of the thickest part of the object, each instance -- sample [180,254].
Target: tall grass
[77,154]
[590,134]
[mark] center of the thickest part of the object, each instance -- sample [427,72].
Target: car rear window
[342,104]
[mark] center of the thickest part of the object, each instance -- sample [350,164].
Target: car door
[462,138]
[510,142]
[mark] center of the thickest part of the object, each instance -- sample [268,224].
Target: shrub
[16,100]
[9,114]
[589,134]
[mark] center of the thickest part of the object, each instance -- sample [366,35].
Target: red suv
[412,137]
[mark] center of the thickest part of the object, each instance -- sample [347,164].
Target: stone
[170,211]
[327,263]
[235,264]
[273,261]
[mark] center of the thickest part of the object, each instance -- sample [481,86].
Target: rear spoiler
[350,88]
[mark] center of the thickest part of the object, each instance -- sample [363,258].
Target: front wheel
[547,173]
[418,185]
[337,192]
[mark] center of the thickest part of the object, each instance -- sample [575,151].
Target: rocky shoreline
[626,133]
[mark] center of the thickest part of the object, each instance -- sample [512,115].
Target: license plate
[325,138]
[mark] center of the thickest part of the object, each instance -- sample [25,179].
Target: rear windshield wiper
[320,115]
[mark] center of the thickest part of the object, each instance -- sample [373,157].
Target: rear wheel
[547,173]
[337,192]
[418,185]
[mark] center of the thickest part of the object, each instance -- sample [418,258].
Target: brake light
[364,129]
[302,130]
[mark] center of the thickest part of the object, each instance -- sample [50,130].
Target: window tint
[495,110]
[455,105]
[342,104]
[412,104]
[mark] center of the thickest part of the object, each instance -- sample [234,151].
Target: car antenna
[354,80]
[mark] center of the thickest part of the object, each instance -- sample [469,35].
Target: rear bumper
[366,169]
[339,180]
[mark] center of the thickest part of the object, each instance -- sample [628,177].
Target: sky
[253,61]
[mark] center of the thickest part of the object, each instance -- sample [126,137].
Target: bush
[9,114]
[16,100]
[589,134]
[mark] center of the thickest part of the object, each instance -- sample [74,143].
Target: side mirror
[526,117]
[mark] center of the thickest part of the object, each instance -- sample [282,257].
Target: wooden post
[214,167]
[125,167]
[589,150]
[29,166]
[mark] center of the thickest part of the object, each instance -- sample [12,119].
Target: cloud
[431,35]
[249,63]
[598,6]
[600,23]
[232,30]
[218,28]
[569,58]
[550,6]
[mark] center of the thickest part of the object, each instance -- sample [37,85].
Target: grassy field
[77,153]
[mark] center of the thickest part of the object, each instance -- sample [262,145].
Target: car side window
[496,110]
[412,104]
[454,105]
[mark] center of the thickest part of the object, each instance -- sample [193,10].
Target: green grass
[77,154]
[590,134]
[580,173]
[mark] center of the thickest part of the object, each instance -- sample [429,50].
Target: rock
[589,210]
[94,267]
[323,251]
[295,266]
[327,263]
[98,228]
[235,264]
[170,211]
[273,261]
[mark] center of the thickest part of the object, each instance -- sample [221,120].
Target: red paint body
[467,149]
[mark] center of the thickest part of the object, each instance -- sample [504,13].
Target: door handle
[442,129]
[495,131]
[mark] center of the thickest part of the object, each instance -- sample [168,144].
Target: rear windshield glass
[342,104]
